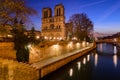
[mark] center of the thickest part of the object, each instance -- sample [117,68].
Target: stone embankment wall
[7,50]
[12,70]
[47,50]
[50,67]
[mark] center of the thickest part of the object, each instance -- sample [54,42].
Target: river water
[100,64]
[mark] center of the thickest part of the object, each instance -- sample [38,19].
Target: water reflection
[115,49]
[88,57]
[95,65]
[79,65]
[96,59]
[115,60]
[84,60]
[71,72]
[101,47]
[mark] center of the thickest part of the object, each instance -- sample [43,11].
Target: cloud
[91,4]
[111,10]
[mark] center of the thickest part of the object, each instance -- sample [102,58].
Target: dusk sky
[105,14]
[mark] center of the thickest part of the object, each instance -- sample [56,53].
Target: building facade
[53,26]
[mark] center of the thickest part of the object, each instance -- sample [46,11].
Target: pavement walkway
[48,61]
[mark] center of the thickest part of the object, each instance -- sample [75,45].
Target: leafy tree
[16,14]
[82,26]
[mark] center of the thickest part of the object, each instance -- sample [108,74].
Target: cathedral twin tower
[53,27]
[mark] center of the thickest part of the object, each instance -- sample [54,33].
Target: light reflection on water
[93,66]
[96,59]
[115,49]
[79,65]
[115,60]
[71,72]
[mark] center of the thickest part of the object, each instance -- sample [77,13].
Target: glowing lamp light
[74,38]
[45,37]
[29,46]
[60,38]
[10,35]
[78,45]
[50,38]
[54,38]
[87,43]
[115,40]
[37,37]
[55,46]
[83,44]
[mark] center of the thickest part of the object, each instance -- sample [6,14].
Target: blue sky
[105,14]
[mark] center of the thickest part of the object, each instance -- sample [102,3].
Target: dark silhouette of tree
[82,26]
[32,35]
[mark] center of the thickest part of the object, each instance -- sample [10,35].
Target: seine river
[100,64]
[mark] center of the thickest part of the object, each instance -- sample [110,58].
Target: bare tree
[82,25]
[11,10]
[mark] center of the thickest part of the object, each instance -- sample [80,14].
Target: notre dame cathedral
[53,26]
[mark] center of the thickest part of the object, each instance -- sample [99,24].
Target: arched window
[52,26]
[58,11]
[45,14]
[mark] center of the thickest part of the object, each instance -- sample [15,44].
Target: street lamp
[37,37]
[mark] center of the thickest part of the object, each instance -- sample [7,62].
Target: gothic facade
[53,26]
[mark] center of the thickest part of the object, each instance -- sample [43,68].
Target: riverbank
[51,64]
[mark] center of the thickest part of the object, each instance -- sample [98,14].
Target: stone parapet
[7,50]
[13,70]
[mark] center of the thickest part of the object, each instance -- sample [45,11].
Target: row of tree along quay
[17,14]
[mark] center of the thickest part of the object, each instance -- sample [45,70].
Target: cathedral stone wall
[53,27]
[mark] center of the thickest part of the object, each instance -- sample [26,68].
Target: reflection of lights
[96,59]
[37,37]
[71,72]
[79,65]
[101,47]
[115,49]
[84,61]
[115,60]
[88,57]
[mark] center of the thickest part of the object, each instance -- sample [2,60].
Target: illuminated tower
[53,27]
